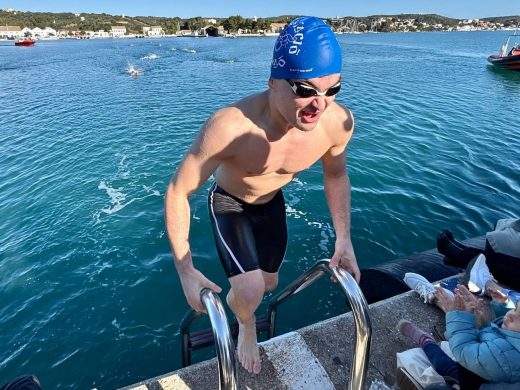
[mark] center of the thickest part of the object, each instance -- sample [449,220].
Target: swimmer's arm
[337,191]
[209,150]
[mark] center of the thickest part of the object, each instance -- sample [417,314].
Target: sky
[459,9]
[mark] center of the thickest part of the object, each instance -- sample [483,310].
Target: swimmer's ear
[270,82]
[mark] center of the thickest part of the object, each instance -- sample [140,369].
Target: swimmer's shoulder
[342,117]
[339,123]
[243,115]
[228,124]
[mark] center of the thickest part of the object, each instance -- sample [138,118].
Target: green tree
[195,23]
[233,23]
[263,24]
[247,24]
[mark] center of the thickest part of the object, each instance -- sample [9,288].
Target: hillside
[95,22]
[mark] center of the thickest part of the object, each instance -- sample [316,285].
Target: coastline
[233,36]
[19,24]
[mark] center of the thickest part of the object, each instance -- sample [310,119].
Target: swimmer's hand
[345,257]
[193,281]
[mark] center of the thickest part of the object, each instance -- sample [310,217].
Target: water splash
[133,71]
[151,56]
[117,198]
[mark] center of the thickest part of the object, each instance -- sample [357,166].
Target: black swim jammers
[248,236]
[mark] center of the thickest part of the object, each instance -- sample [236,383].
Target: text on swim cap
[278,62]
[297,40]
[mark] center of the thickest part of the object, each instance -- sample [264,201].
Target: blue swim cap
[306,48]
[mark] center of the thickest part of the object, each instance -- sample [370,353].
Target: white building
[26,31]
[154,31]
[10,32]
[118,31]
[49,32]
[37,32]
[64,33]
[276,27]
[101,34]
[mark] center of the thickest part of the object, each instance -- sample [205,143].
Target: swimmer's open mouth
[310,116]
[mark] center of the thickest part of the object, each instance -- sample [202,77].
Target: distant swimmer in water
[254,147]
[133,71]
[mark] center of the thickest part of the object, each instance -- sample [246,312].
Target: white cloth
[417,364]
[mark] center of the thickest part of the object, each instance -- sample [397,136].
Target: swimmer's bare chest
[261,167]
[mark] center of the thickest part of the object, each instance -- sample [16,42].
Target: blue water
[88,293]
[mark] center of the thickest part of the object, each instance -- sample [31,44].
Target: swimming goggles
[306,91]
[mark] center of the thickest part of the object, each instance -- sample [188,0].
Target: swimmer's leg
[270,280]
[247,291]
[270,232]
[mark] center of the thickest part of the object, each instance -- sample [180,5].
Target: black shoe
[443,241]
[457,254]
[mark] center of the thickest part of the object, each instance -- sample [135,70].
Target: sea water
[88,293]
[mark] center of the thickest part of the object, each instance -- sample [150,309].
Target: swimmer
[133,71]
[254,147]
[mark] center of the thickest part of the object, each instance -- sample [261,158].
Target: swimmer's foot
[247,349]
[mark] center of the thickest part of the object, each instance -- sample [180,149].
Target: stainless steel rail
[357,303]
[222,335]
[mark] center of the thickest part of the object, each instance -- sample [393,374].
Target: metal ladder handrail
[357,303]
[222,335]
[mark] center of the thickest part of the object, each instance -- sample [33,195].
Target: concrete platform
[318,356]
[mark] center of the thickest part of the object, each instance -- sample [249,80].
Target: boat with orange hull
[24,42]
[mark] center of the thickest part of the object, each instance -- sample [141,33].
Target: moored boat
[24,42]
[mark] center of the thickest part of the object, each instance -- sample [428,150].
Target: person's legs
[415,334]
[251,242]
[503,267]
[236,247]
[246,293]
[441,362]
[457,254]
[270,231]
[270,280]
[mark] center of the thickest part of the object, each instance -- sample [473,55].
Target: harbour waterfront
[89,295]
